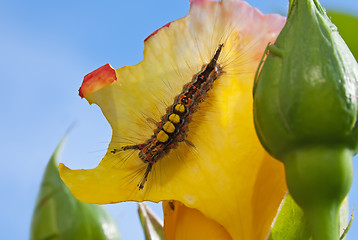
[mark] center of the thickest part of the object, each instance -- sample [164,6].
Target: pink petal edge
[105,75]
[168,24]
[199,1]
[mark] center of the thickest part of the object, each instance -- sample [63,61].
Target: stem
[319,178]
[324,222]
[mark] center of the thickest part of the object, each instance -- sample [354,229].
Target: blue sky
[46,47]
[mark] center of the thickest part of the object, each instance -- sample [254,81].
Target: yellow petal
[181,222]
[227,176]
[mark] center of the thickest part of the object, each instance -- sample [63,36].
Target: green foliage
[290,223]
[152,226]
[345,222]
[347,25]
[59,215]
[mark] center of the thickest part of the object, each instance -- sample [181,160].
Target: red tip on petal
[155,32]
[97,79]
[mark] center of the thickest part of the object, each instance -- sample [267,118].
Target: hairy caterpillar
[142,99]
[173,126]
[149,154]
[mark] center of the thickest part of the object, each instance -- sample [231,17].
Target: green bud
[305,112]
[59,215]
[306,92]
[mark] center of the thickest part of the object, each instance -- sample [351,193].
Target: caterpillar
[173,126]
[161,136]
[158,131]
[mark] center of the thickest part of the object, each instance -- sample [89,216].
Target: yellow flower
[181,222]
[220,169]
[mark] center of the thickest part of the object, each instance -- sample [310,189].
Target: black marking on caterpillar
[173,126]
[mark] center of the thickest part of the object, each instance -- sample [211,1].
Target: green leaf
[59,215]
[347,25]
[345,219]
[290,223]
[151,224]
